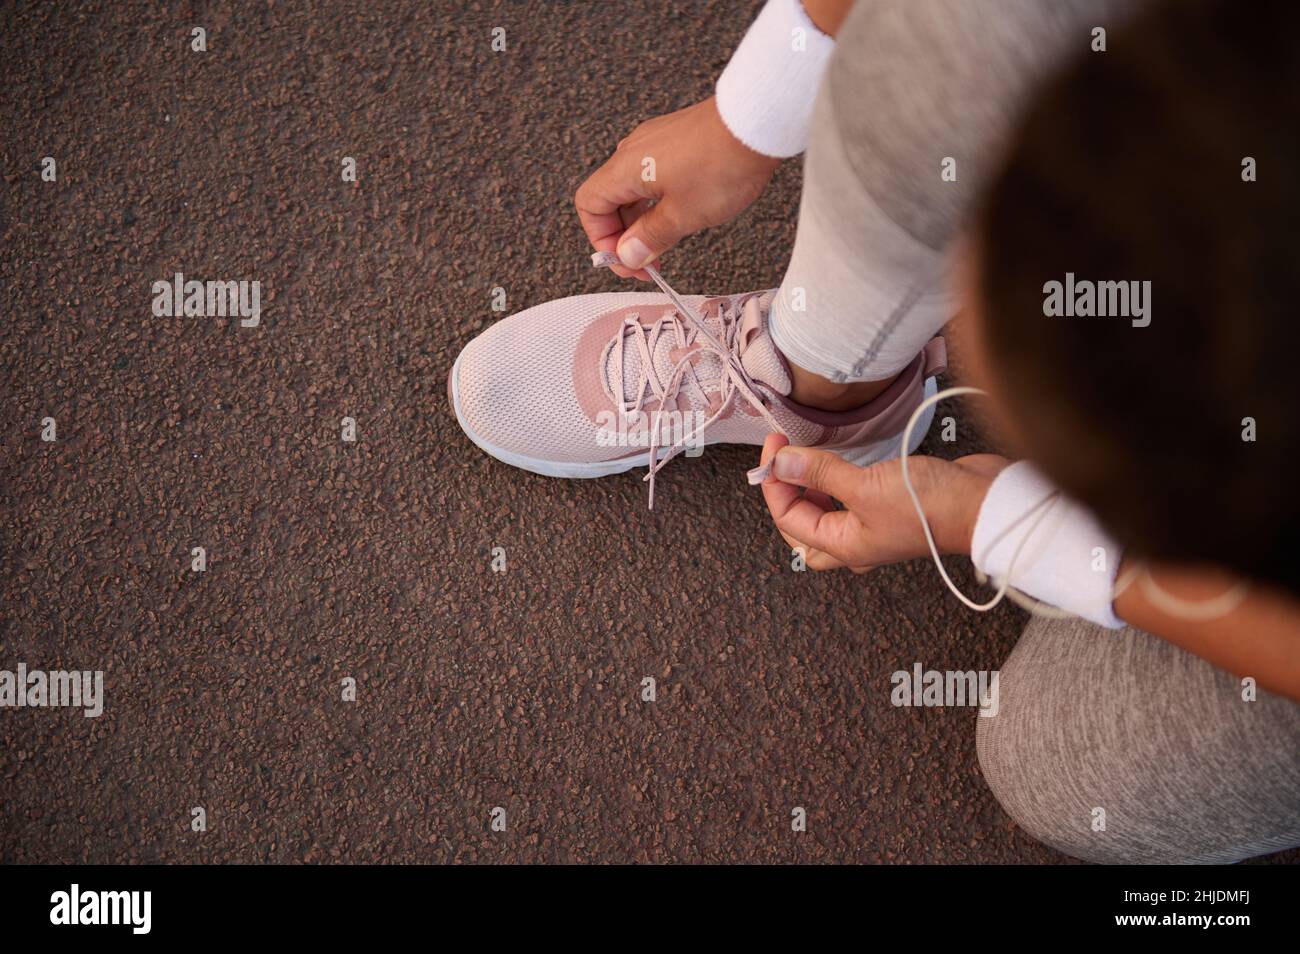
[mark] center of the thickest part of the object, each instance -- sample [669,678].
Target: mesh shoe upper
[541,383]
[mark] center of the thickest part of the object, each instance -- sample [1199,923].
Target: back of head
[1172,159]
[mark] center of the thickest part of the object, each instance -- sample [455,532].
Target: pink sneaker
[599,384]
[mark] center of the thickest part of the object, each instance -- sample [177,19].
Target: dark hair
[1132,166]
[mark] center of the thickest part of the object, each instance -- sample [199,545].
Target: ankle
[812,390]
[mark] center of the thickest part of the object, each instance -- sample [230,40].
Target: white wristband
[767,91]
[1068,560]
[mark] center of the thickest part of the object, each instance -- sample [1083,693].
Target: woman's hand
[880,524]
[672,176]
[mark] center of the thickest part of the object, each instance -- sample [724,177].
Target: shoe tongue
[666,354]
[758,356]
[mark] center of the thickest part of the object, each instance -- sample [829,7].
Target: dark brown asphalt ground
[371,560]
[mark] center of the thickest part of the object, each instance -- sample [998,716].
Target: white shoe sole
[863,456]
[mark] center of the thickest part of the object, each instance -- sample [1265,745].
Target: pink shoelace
[735,379]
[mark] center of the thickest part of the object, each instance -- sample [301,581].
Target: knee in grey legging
[1116,746]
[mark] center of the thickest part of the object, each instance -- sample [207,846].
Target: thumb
[655,232]
[818,469]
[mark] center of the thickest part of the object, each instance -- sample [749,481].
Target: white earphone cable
[1158,596]
[1046,504]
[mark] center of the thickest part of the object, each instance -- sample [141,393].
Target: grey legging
[1185,769]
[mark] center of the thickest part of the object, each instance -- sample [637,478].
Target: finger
[787,493]
[771,444]
[812,557]
[601,197]
[780,496]
[819,470]
[657,230]
[629,214]
[821,561]
[816,526]
[598,200]
[820,499]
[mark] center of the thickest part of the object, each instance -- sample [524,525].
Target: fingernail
[633,253]
[788,464]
